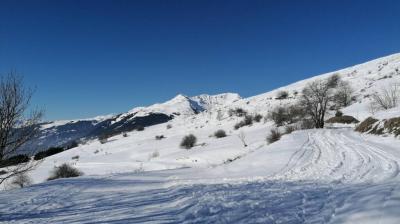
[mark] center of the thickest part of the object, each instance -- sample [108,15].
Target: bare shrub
[386,98]
[103,138]
[64,171]
[139,128]
[239,112]
[338,113]
[282,95]
[286,115]
[169,126]
[125,135]
[290,128]
[21,180]
[257,118]
[159,137]
[75,157]
[220,134]
[188,141]
[247,121]
[274,136]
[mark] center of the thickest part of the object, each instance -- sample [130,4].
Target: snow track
[342,156]
[325,176]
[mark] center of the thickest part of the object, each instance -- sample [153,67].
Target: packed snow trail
[313,176]
[340,155]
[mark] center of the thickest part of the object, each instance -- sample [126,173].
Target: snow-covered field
[315,176]
[332,175]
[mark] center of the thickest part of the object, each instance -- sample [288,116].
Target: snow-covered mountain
[62,133]
[308,176]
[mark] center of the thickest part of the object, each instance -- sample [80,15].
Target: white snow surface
[332,175]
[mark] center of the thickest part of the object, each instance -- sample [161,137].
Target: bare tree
[18,124]
[387,98]
[316,98]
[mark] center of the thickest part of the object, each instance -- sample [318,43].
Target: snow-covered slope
[309,176]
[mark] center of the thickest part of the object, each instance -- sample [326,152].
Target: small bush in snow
[386,98]
[125,135]
[247,121]
[103,139]
[75,157]
[239,112]
[21,180]
[274,136]
[169,126]
[338,113]
[139,128]
[282,95]
[64,171]
[159,137]
[257,118]
[289,129]
[188,141]
[220,134]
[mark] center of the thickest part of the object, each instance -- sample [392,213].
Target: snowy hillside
[309,176]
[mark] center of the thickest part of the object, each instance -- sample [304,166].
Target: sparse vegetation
[159,137]
[257,118]
[286,115]
[64,171]
[282,95]
[247,121]
[386,98]
[75,157]
[188,141]
[274,136]
[290,128]
[239,112]
[338,113]
[169,126]
[125,135]
[103,139]
[220,134]
[139,128]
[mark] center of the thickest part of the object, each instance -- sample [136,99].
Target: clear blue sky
[88,58]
